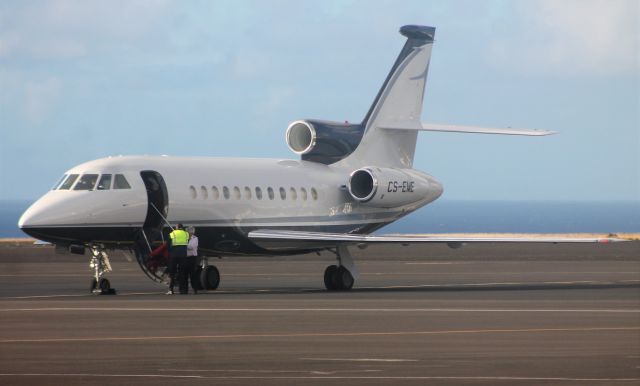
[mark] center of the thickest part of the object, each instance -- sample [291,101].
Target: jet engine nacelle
[323,141]
[386,187]
[301,137]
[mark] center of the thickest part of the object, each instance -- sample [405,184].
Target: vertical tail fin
[398,104]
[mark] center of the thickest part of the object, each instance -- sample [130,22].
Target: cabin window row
[91,181]
[247,193]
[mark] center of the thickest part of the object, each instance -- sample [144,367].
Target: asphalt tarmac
[480,315]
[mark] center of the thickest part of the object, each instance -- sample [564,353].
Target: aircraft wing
[283,239]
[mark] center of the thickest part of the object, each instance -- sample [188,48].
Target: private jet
[351,180]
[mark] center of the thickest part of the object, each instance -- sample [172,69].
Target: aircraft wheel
[195,279]
[344,279]
[330,278]
[210,278]
[93,285]
[104,285]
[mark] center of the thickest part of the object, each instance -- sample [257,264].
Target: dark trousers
[172,270]
[186,267]
[177,255]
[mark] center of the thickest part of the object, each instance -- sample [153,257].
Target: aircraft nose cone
[42,212]
[27,218]
[36,219]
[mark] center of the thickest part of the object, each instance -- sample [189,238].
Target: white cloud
[70,28]
[571,36]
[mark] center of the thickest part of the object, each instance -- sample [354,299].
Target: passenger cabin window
[205,192]
[293,194]
[193,191]
[270,193]
[225,192]
[258,193]
[105,182]
[57,185]
[283,193]
[247,193]
[215,193]
[120,182]
[236,192]
[68,183]
[303,193]
[314,194]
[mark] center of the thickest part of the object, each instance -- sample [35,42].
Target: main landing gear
[206,277]
[342,276]
[101,266]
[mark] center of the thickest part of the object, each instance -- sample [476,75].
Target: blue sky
[80,80]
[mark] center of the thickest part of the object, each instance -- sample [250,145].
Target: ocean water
[447,216]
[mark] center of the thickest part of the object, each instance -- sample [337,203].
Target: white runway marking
[342,310]
[480,285]
[416,286]
[358,360]
[319,334]
[45,296]
[268,371]
[436,263]
[328,377]
[77,295]
[43,275]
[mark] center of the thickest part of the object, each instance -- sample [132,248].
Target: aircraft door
[157,199]
[157,210]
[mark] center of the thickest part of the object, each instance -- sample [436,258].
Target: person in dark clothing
[178,241]
[192,258]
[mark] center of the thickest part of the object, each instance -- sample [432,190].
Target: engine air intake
[362,185]
[301,137]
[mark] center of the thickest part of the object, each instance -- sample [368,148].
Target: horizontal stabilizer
[474,129]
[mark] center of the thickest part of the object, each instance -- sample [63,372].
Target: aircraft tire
[330,278]
[210,277]
[195,279]
[344,279]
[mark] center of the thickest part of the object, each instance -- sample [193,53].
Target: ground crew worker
[192,258]
[178,241]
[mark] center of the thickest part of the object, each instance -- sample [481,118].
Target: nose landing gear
[100,265]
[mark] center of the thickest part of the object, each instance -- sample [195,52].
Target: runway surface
[480,315]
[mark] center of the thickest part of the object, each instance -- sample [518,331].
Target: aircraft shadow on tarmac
[441,288]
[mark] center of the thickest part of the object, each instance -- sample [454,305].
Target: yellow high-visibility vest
[179,237]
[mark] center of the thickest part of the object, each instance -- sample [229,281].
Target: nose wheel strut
[101,266]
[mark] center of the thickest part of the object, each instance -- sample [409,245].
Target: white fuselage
[219,196]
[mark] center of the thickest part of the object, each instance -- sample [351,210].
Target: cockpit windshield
[66,185]
[57,185]
[121,182]
[92,181]
[105,182]
[86,182]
